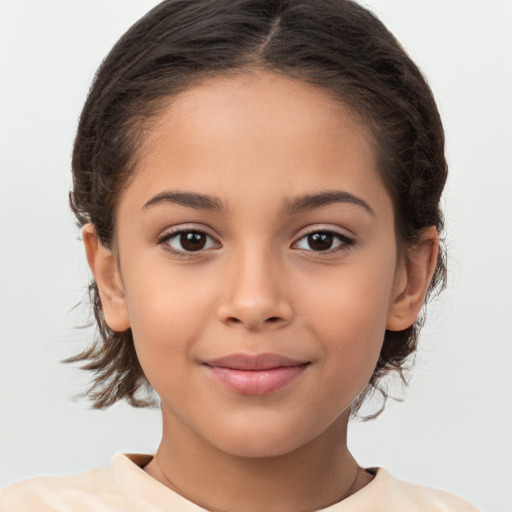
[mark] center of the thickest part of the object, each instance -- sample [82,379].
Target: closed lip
[254,362]
[255,374]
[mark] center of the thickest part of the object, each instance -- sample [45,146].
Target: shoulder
[408,497]
[385,493]
[51,492]
[96,489]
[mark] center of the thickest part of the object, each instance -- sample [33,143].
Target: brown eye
[189,241]
[320,241]
[193,241]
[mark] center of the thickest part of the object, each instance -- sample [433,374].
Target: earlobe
[104,267]
[412,281]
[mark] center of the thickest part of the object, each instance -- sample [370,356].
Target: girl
[258,186]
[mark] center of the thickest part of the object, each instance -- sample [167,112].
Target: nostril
[253,317]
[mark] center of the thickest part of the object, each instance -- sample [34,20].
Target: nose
[255,293]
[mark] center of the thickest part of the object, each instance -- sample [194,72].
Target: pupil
[192,241]
[320,241]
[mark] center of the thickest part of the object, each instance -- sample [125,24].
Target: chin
[260,448]
[267,440]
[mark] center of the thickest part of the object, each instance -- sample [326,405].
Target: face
[258,264]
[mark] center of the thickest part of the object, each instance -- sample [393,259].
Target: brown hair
[335,44]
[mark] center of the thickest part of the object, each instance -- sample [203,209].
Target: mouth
[260,374]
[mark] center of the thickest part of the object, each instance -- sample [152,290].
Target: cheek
[167,316]
[353,299]
[348,312]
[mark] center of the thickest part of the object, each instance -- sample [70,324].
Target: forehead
[256,132]
[257,104]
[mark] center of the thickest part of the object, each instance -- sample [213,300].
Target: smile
[255,375]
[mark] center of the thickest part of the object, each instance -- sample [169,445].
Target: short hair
[335,44]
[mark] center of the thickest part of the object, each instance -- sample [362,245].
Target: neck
[313,476]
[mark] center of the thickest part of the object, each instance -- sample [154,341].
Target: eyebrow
[309,202]
[292,206]
[189,199]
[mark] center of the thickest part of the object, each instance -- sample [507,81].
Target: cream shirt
[123,486]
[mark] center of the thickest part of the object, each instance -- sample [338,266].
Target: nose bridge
[255,289]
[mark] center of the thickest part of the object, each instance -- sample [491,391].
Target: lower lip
[256,382]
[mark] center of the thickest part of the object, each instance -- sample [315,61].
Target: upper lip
[265,361]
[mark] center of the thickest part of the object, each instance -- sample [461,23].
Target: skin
[257,142]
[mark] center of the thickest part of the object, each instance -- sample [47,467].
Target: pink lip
[255,374]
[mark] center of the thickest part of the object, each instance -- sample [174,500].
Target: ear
[105,269]
[412,281]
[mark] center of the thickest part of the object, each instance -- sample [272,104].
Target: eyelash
[345,242]
[165,239]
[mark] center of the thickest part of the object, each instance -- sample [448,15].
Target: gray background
[452,431]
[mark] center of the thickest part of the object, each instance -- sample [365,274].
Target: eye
[186,241]
[323,241]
